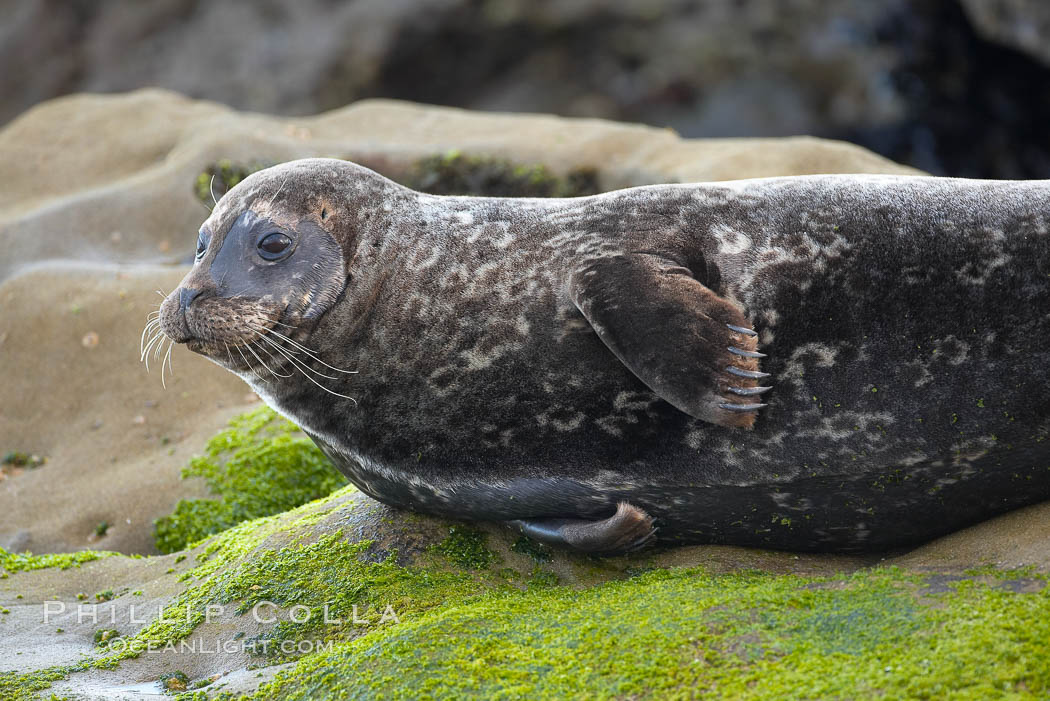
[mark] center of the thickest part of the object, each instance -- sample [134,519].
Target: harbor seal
[831,362]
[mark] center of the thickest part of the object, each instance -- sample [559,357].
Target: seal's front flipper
[628,529]
[690,346]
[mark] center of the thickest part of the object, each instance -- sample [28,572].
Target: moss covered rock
[449,173]
[683,633]
[455,173]
[261,465]
[369,604]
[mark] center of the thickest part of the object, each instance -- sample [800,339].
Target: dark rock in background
[956,87]
[1022,24]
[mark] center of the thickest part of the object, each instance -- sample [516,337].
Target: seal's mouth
[251,337]
[215,326]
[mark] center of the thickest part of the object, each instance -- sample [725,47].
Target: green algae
[465,547]
[22,562]
[218,178]
[684,633]
[20,459]
[261,465]
[282,560]
[532,548]
[455,173]
[338,591]
[669,633]
[449,173]
[104,636]
[15,686]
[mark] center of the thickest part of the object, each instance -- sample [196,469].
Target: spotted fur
[508,371]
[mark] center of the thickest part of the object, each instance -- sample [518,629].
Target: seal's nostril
[186,296]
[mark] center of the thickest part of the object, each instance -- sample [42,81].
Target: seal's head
[271,260]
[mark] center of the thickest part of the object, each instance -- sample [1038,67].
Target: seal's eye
[202,245]
[274,246]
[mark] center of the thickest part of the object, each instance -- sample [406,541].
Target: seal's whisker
[295,344]
[263,332]
[287,355]
[142,343]
[293,362]
[149,328]
[159,347]
[263,362]
[264,349]
[285,182]
[162,362]
[211,189]
[145,357]
[142,351]
[228,353]
[304,349]
[152,341]
[167,358]
[293,353]
[250,366]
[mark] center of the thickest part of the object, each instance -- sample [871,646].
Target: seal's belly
[876,508]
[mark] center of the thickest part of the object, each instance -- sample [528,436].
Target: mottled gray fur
[906,322]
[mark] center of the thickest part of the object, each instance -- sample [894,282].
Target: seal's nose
[186,297]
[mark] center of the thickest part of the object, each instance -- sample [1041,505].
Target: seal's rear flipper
[628,529]
[690,346]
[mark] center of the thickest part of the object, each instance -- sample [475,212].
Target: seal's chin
[203,347]
[242,357]
[221,354]
[228,356]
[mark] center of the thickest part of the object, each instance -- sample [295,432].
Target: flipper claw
[746,353]
[644,542]
[749,374]
[741,329]
[749,391]
[741,407]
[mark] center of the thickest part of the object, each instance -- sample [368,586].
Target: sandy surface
[75,392]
